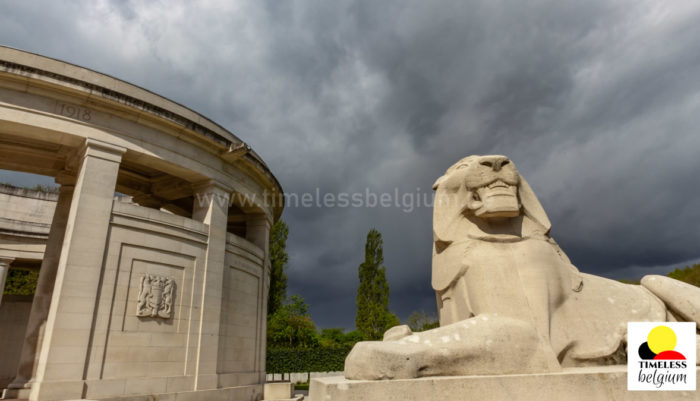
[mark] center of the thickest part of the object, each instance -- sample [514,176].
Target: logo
[661,356]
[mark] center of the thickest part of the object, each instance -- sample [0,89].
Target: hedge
[319,359]
[21,282]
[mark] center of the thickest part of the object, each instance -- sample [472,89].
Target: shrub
[320,359]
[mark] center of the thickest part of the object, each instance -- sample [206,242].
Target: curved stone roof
[104,89]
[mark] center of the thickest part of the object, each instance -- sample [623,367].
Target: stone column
[4,268]
[258,232]
[44,288]
[65,345]
[211,203]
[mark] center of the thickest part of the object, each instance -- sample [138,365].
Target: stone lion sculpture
[509,299]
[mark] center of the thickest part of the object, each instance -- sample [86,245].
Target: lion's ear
[438,182]
[532,207]
[448,206]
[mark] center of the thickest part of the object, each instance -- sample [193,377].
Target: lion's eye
[505,162]
[486,163]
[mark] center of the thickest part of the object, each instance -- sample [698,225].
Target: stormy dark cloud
[596,102]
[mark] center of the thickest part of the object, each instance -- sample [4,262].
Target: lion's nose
[495,162]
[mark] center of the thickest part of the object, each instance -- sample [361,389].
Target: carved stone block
[155,296]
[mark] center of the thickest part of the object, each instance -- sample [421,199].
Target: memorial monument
[160,294]
[514,311]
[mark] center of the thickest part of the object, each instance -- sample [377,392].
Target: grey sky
[596,102]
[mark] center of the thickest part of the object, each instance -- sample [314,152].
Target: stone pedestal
[573,384]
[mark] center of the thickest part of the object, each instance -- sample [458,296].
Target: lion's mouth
[497,199]
[500,188]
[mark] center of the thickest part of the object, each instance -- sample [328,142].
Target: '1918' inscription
[76,112]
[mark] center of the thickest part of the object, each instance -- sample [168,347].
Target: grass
[301,386]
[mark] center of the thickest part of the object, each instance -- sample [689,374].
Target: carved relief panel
[155,296]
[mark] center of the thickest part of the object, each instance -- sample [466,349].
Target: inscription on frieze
[73,111]
[155,296]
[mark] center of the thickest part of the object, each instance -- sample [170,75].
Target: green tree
[336,337]
[420,321]
[689,274]
[352,337]
[291,326]
[278,263]
[332,337]
[628,281]
[373,317]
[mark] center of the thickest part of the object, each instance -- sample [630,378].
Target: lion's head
[483,196]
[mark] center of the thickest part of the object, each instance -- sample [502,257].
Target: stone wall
[156,353]
[139,354]
[14,313]
[26,211]
[132,352]
[242,314]
[25,220]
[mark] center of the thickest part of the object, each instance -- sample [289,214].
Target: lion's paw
[397,333]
